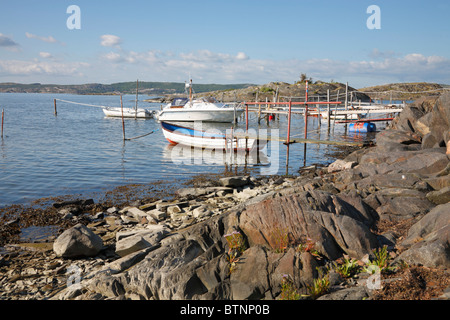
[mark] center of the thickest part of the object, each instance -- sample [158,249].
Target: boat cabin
[178,103]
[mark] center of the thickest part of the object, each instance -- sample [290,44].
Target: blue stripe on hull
[190,131]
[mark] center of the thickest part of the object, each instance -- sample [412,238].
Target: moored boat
[201,109]
[127,112]
[209,139]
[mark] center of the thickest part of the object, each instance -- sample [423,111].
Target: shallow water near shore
[81,152]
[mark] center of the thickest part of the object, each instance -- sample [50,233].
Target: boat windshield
[179,101]
[210,99]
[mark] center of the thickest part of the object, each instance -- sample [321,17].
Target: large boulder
[427,242]
[334,225]
[78,241]
[430,161]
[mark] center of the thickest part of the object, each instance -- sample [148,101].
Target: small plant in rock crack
[320,286]
[281,238]
[288,289]
[348,267]
[236,246]
[380,263]
[309,246]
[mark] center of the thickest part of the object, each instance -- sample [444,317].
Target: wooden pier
[331,110]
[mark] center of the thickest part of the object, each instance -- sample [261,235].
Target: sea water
[80,151]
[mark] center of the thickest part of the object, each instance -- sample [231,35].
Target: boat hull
[127,113]
[190,115]
[324,116]
[185,136]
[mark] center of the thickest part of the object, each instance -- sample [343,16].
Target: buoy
[362,127]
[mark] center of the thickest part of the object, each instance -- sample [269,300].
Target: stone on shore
[78,241]
[340,165]
[235,182]
[135,240]
[440,196]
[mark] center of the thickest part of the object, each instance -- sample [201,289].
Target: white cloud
[109,40]
[45,55]
[19,67]
[224,67]
[48,39]
[242,56]
[209,66]
[113,57]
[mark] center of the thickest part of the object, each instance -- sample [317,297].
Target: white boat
[127,112]
[209,139]
[201,109]
[338,116]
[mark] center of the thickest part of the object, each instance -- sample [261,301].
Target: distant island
[165,91]
[148,88]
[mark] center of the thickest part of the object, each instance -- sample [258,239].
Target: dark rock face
[333,224]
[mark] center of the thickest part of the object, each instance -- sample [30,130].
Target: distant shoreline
[161,91]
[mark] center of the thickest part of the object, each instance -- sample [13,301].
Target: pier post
[335,110]
[318,110]
[306,111]
[137,92]
[346,102]
[123,122]
[246,128]
[3,116]
[306,123]
[54,103]
[288,137]
[328,108]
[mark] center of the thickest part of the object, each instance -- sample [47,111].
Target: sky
[212,41]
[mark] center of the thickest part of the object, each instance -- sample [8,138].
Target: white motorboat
[127,112]
[201,109]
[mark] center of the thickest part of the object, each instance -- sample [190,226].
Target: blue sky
[245,41]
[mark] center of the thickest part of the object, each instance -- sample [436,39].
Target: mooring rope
[144,135]
[83,104]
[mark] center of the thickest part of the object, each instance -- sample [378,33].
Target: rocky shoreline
[374,225]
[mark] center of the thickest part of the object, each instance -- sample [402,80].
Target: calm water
[80,151]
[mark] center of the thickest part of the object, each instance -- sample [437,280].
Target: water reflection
[185,155]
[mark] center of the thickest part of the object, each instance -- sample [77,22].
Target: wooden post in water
[137,90]
[246,127]
[123,122]
[346,102]
[318,112]
[288,137]
[306,122]
[328,108]
[54,103]
[335,110]
[306,110]
[3,116]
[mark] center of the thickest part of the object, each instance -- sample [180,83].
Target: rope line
[144,135]
[83,104]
